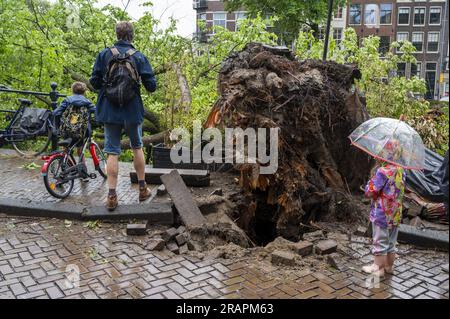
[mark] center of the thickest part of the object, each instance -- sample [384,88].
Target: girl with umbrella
[396,147]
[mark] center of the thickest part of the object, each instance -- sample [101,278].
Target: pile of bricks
[176,240]
[316,243]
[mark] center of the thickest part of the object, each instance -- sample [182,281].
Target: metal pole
[327,34]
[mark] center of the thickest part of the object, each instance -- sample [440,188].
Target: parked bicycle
[61,169]
[29,130]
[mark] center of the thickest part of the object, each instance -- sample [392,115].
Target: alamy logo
[72,277]
[238,146]
[73,16]
[373,281]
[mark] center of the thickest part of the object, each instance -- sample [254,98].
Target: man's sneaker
[112,202]
[144,194]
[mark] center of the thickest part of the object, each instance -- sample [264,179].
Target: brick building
[422,22]
[213,13]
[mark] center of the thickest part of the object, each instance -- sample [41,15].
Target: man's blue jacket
[133,113]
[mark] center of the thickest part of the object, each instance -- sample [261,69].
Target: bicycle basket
[34,121]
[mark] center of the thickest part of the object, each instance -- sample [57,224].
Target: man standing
[117,74]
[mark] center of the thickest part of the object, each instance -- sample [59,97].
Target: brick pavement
[18,182]
[35,254]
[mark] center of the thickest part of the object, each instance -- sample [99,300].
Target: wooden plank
[191,177]
[189,212]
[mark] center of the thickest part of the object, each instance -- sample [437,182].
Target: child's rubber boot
[377,268]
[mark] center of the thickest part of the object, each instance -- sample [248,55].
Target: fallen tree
[312,103]
[146,140]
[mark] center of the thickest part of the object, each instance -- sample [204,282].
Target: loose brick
[283,257]
[325,247]
[303,248]
[156,244]
[136,229]
[181,239]
[173,247]
[169,234]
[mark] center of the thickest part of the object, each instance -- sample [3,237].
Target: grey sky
[181,10]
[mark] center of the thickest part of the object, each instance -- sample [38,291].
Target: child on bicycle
[74,103]
[78,98]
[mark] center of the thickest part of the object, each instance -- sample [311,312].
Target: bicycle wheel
[53,183]
[30,147]
[102,161]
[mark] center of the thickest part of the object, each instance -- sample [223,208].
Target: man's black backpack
[122,78]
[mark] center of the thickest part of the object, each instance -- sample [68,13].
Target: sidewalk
[35,254]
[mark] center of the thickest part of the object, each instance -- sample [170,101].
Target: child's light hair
[79,88]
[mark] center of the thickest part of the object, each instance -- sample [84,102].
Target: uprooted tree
[313,105]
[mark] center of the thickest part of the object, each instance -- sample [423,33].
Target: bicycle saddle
[66,142]
[25,101]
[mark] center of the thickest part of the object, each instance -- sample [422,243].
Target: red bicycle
[60,169]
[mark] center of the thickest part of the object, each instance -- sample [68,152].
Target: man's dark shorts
[113,134]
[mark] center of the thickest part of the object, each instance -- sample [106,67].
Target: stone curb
[153,212]
[423,238]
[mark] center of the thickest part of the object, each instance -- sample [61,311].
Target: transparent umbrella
[392,141]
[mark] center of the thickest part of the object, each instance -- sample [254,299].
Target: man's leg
[112,148]
[139,163]
[135,134]
[112,170]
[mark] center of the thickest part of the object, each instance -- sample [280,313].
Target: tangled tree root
[313,105]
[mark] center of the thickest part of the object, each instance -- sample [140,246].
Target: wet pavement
[50,258]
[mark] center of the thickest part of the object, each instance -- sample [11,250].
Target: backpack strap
[130,52]
[114,51]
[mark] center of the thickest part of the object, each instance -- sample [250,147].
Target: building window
[419,16]
[337,35]
[416,69]
[370,14]
[386,13]
[220,20]
[433,42]
[417,41]
[430,79]
[385,43]
[401,69]
[355,14]
[322,32]
[435,16]
[239,17]
[402,36]
[403,16]
[338,13]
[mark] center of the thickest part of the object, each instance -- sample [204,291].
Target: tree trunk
[186,98]
[146,140]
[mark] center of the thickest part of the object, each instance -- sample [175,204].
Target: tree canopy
[44,42]
[292,15]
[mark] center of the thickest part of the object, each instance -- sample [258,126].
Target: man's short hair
[79,88]
[125,31]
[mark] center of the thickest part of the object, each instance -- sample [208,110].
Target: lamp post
[327,34]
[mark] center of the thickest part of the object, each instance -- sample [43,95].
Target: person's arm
[96,79]
[147,75]
[376,184]
[62,107]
